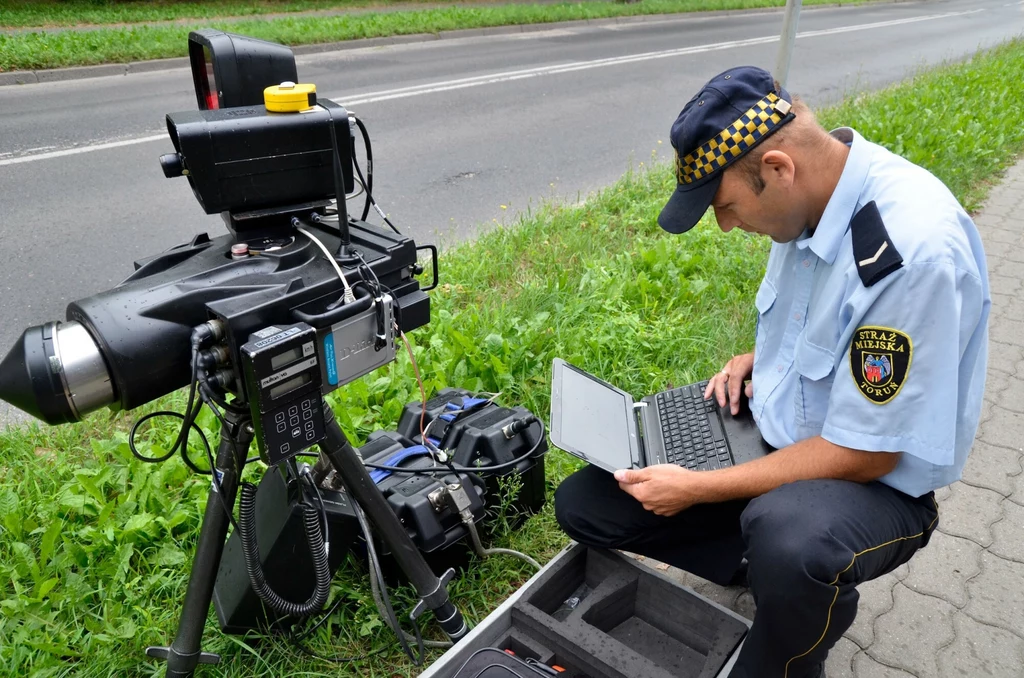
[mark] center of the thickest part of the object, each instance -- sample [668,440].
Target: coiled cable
[253,567]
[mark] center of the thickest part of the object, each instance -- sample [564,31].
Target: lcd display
[286,358]
[594,419]
[290,385]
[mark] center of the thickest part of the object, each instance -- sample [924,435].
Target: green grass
[963,123]
[95,546]
[39,50]
[50,13]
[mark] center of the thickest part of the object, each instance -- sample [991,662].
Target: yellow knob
[289,97]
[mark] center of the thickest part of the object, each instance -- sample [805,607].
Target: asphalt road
[466,132]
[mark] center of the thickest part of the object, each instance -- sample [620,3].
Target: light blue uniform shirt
[812,301]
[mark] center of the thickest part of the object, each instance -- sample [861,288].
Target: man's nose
[725,222]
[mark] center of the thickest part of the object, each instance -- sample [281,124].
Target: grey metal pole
[787,39]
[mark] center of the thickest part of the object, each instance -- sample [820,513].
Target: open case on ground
[600,614]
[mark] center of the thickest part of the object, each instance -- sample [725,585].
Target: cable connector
[458,499]
[223,380]
[214,356]
[209,332]
[517,426]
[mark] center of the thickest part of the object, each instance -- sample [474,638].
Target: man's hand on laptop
[664,489]
[726,385]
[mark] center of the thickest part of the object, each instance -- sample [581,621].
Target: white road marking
[82,149]
[507,76]
[462,83]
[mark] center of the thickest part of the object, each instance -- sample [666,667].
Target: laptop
[604,426]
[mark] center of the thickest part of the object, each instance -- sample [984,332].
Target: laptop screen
[595,419]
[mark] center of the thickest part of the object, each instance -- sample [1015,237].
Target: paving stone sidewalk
[957,608]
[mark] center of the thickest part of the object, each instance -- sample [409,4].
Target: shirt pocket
[815,367]
[764,301]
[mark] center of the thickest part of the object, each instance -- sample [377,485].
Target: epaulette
[873,250]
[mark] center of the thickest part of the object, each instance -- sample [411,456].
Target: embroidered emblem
[879,360]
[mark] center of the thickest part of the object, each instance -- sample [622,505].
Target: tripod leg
[184,654]
[429,587]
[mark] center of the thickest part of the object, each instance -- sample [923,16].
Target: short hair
[803,130]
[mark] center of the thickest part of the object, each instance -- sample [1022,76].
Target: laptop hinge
[641,434]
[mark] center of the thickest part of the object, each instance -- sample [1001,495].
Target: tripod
[185,654]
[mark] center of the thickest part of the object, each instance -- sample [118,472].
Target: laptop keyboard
[691,429]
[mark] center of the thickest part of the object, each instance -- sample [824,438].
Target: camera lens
[56,373]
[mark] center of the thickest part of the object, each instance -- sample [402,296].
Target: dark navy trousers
[807,545]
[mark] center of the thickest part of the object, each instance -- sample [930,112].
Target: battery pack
[284,554]
[477,440]
[418,499]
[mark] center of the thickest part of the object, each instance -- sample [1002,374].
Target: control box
[283,381]
[358,345]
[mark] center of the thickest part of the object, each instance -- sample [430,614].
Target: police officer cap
[731,114]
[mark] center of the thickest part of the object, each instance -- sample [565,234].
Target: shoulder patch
[879,361]
[873,251]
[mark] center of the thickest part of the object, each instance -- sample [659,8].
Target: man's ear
[777,167]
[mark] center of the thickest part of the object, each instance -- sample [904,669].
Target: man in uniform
[867,373]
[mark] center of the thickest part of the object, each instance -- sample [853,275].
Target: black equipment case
[600,614]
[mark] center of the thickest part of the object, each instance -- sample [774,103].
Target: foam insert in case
[600,614]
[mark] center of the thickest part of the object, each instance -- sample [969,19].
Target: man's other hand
[726,385]
[664,489]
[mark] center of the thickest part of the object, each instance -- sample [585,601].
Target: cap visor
[686,206]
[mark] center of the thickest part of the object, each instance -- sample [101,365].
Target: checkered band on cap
[733,141]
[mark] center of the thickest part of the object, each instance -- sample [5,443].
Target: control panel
[283,383]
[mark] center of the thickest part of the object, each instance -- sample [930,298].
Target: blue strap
[379,474]
[454,409]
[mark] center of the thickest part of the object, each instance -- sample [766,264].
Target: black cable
[230,407]
[204,393]
[368,268]
[419,639]
[215,477]
[253,567]
[209,454]
[465,469]
[368,184]
[192,465]
[188,420]
[375,563]
[369,193]
[320,502]
[396,308]
[320,622]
